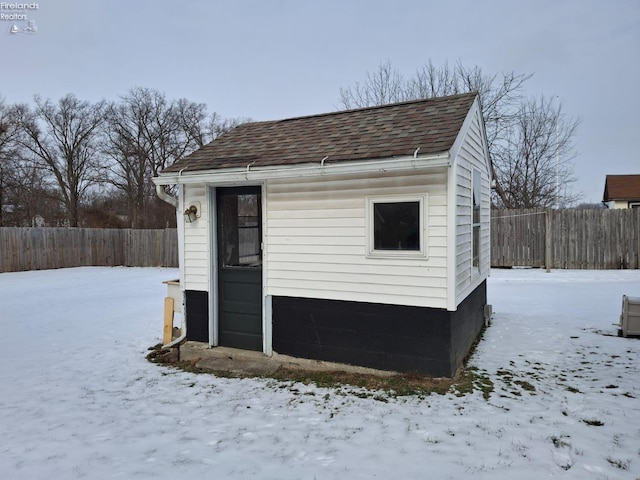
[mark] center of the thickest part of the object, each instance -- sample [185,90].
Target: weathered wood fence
[573,239]
[52,247]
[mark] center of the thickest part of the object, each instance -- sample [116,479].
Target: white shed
[358,236]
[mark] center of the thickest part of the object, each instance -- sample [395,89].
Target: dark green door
[239,267]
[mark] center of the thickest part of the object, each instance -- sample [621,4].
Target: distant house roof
[622,187]
[370,133]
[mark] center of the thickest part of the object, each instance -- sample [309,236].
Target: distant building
[622,191]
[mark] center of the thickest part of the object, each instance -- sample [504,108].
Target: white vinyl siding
[619,204]
[471,156]
[196,240]
[316,240]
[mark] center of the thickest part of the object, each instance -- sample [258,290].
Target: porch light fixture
[192,213]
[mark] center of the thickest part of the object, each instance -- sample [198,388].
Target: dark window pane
[476,246]
[229,230]
[396,226]
[241,231]
[249,230]
[476,196]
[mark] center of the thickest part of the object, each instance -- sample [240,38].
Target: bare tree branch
[61,139]
[536,158]
[145,133]
[529,141]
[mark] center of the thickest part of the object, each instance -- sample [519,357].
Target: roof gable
[386,131]
[621,187]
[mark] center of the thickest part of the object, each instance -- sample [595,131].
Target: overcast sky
[278,59]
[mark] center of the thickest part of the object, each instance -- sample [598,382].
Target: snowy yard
[79,400]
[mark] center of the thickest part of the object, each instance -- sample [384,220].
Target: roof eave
[621,199]
[249,173]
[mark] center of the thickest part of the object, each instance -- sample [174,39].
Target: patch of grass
[559,442]
[393,385]
[361,394]
[618,463]
[378,387]
[593,422]
[525,385]
[571,389]
[157,354]
[472,379]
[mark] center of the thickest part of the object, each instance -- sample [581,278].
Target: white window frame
[371,252]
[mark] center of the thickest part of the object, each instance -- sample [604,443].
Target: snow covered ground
[79,400]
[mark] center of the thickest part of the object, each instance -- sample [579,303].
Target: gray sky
[278,59]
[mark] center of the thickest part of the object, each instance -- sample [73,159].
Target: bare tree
[8,155]
[535,162]
[61,139]
[193,121]
[8,128]
[32,194]
[138,135]
[216,125]
[55,155]
[146,132]
[22,202]
[385,85]
[500,97]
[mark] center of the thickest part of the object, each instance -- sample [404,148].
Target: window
[240,229]
[396,226]
[476,194]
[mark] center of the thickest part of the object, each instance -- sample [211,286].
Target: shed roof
[386,131]
[621,187]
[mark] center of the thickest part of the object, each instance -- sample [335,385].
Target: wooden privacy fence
[574,239]
[52,247]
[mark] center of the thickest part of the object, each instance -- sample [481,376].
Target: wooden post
[547,240]
[638,238]
[167,333]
